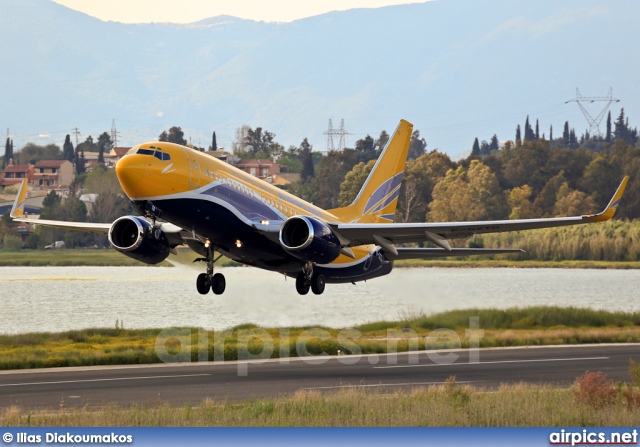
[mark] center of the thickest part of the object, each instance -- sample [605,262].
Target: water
[62,298]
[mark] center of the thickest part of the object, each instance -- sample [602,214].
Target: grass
[483,262]
[87,257]
[445,405]
[542,325]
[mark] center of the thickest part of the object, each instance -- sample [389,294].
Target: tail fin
[376,202]
[18,206]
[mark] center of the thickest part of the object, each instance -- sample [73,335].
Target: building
[261,168]
[114,156]
[225,156]
[14,174]
[52,174]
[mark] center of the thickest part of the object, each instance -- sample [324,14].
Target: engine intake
[133,236]
[309,239]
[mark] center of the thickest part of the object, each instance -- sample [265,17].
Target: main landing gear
[208,281]
[306,280]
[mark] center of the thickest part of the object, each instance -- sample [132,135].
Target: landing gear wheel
[218,284]
[203,283]
[317,284]
[302,286]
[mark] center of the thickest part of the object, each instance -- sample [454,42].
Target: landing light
[264,222]
[207,244]
[238,243]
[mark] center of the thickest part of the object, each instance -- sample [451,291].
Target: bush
[12,243]
[595,389]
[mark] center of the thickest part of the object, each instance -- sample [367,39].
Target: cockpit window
[162,156]
[158,154]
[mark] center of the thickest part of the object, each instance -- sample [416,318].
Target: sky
[188,11]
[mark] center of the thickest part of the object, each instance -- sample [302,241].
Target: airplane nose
[130,172]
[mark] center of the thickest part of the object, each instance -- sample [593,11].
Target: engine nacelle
[134,236]
[309,239]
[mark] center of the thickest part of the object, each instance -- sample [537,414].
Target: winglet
[610,210]
[18,206]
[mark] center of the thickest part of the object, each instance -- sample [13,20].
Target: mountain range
[457,69]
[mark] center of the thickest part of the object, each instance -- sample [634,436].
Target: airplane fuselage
[223,205]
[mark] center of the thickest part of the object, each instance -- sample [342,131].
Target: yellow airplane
[187,197]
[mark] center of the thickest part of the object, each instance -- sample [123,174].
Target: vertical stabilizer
[18,206]
[377,200]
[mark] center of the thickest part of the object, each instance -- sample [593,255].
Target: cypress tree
[494,145]
[527,130]
[537,131]
[518,136]
[551,133]
[566,134]
[573,141]
[607,137]
[214,142]
[8,153]
[307,172]
[67,149]
[475,151]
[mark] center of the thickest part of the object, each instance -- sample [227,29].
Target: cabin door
[194,168]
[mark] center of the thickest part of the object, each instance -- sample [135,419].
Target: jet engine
[135,237]
[309,239]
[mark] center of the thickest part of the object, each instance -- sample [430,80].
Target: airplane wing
[17,214]
[387,235]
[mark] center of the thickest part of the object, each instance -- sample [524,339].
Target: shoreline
[111,258]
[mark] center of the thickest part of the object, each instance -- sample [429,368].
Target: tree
[600,177]
[8,153]
[175,135]
[570,202]
[110,202]
[421,175]
[528,131]
[551,133]
[214,142]
[537,130]
[104,145]
[238,146]
[32,153]
[518,136]
[79,158]
[381,142]
[307,171]
[365,149]
[545,202]
[566,134]
[331,173]
[259,141]
[475,150]
[67,149]
[353,182]
[494,145]
[607,137]
[521,206]
[467,195]
[417,146]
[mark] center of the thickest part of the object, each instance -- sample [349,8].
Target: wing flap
[427,253]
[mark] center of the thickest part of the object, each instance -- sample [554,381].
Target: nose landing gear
[208,281]
[306,280]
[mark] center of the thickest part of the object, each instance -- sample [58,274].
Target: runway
[191,383]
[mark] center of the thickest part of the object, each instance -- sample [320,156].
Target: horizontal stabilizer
[426,253]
